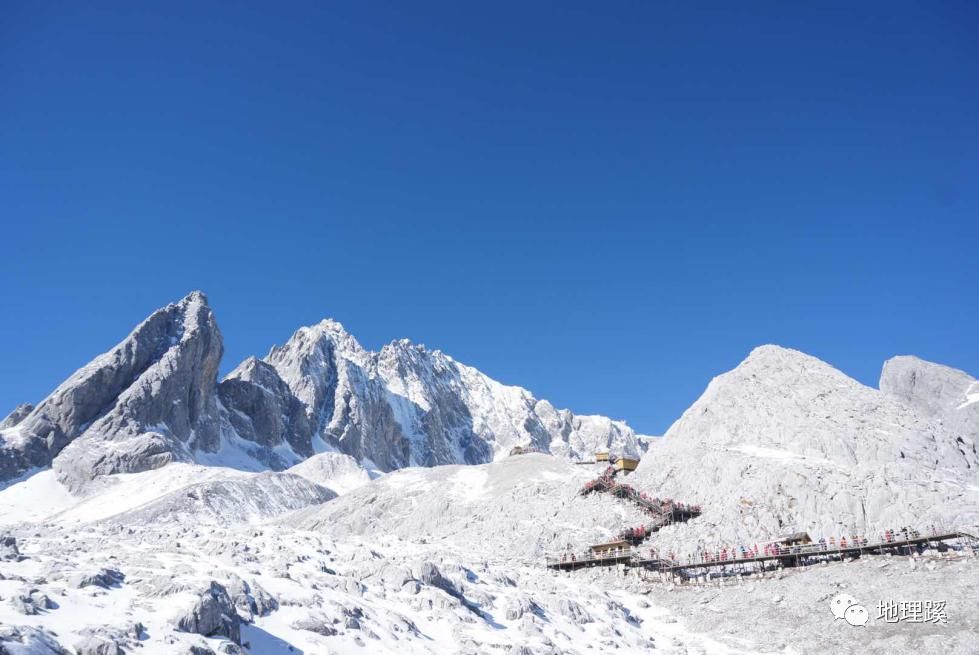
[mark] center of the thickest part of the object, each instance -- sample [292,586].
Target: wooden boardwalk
[799,555]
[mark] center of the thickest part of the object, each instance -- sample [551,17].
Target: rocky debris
[522,605]
[8,549]
[26,640]
[250,599]
[212,614]
[316,623]
[15,417]
[104,578]
[336,471]
[98,644]
[32,602]
[430,575]
[499,507]
[158,586]
[573,610]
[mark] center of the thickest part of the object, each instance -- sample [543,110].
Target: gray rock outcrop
[261,409]
[15,417]
[15,640]
[99,643]
[8,549]
[154,399]
[211,615]
[105,578]
[148,401]
[948,394]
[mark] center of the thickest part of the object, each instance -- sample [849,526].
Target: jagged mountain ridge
[155,398]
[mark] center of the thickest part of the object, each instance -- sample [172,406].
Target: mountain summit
[155,398]
[148,401]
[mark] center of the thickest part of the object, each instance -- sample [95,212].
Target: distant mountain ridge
[155,398]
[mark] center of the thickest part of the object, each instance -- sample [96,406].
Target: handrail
[889,540]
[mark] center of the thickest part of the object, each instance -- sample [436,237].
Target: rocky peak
[155,388]
[308,362]
[15,417]
[154,398]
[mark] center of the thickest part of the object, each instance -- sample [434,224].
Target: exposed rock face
[15,417]
[787,443]
[212,614]
[261,409]
[25,639]
[105,578]
[146,402]
[9,550]
[154,399]
[934,390]
[408,406]
[99,644]
[250,600]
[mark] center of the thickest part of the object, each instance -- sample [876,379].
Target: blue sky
[607,203]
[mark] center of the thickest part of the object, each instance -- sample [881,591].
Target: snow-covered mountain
[194,547]
[155,398]
[148,401]
[785,442]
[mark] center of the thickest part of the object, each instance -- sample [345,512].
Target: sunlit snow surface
[160,531]
[362,555]
[450,559]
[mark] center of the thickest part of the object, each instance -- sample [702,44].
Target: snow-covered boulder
[8,549]
[211,613]
[27,640]
[100,642]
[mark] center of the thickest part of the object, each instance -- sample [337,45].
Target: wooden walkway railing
[787,555]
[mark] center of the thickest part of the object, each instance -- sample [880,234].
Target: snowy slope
[129,564]
[338,472]
[522,506]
